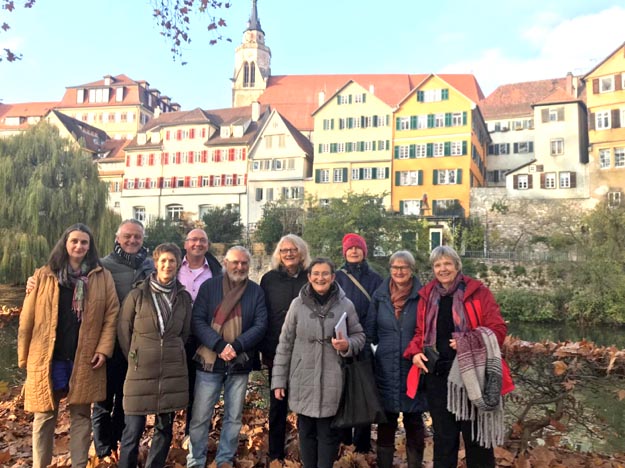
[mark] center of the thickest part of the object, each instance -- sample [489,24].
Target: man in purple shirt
[198,265]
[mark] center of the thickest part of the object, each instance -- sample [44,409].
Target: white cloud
[574,45]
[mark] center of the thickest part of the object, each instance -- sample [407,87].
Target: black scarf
[132,260]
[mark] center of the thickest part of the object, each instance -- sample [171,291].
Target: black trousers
[447,430]
[278,411]
[159,448]
[107,417]
[318,441]
[413,424]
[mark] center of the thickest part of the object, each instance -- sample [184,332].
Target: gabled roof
[115,150]
[516,99]
[558,96]
[465,84]
[304,143]
[93,138]
[117,80]
[603,61]
[170,119]
[233,116]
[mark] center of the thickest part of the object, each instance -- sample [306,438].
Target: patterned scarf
[76,279]
[131,260]
[399,296]
[163,297]
[474,385]
[227,320]
[457,308]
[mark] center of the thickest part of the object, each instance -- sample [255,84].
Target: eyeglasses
[323,274]
[201,240]
[289,251]
[399,268]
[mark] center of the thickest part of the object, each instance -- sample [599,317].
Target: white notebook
[341,326]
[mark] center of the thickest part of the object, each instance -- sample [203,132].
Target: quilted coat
[305,362]
[37,334]
[156,381]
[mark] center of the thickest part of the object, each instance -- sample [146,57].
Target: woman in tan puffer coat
[66,332]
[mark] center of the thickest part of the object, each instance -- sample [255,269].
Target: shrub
[526,306]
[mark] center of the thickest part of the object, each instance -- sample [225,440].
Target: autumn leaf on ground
[559,368]
[620,394]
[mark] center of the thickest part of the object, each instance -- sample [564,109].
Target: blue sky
[71,42]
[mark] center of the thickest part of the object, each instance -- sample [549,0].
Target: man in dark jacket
[198,265]
[128,263]
[229,320]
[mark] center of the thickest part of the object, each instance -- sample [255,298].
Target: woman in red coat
[450,303]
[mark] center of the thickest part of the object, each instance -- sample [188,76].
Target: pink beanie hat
[354,240]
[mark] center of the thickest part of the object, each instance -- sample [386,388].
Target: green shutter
[445,94]
[349,99]
[397,178]
[420,177]
[447,119]
[361,173]
[363,121]
[413,151]
[464,147]
[429,150]
[332,147]
[435,177]
[387,172]
[317,175]
[464,118]
[430,120]
[447,148]
[345,174]
[459,176]
[388,144]
[375,120]
[374,173]
[397,152]
[364,97]
[338,100]
[319,147]
[401,207]
[374,145]
[348,147]
[419,96]
[397,123]
[413,122]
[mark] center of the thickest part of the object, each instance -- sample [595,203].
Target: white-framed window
[404,123]
[337,175]
[602,120]
[116,186]
[432,95]
[167,182]
[359,97]
[355,174]
[174,212]
[138,213]
[203,209]
[404,152]
[421,150]
[328,124]
[343,99]
[422,121]
[550,180]
[381,173]
[606,84]
[456,148]
[446,176]
[456,119]
[229,180]
[614,199]
[439,120]
[324,148]
[256,166]
[297,193]
[553,115]
[130,184]
[367,173]
[565,180]
[522,182]
[604,158]
[193,182]
[278,164]
[438,149]
[340,147]
[153,183]
[409,178]
[238,154]
[619,157]
[205,181]
[119,95]
[557,146]
[412,207]
[324,176]
[141,184]
[523,147]
[179,182]
[503,148]
[80,96]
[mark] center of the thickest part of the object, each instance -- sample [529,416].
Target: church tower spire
[252,63]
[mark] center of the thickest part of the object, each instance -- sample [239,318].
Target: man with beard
[229,320]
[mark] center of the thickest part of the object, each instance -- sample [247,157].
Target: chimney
[107,80]
[569,85]
[322,98]
[255,111]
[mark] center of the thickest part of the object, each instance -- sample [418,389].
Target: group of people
[127,336]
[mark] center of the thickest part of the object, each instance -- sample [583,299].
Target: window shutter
[447,150]
[447,119]
[375,120]
[349,98]
[179,135]
[544,115]
[420,177]
[464,118]
[397,152]
[332,147]
[445,94]
[397,123]
[591,121]
[413,122]
[397,178]
[159,182]
[125,183]
[595,86]
[165,158]
[231,154]
[531,146]
[364,97]
[244,153]
[387,172]
[136,183]
[211,181]
[618,82]
[413,151]
[560,113]
[573,179]
[464,147]
[223,179]
[192,133]
[458,176]
[430,120]
[127,161]
[167,135]
[419,96]
[515,182]
[540,168]
[530,181]
[348,147]
[429,150]
[374,145]
[361,173]
[543,177]
[259,194]
[317,175]
[338,100]
[345,173]
[374,173]
[363,121]
[388,144]
[151,159]
[199,181]
[204,156]
[508,148]
[187,181]
[435,177]
[616,121]
[319,149]
[401,207]
[516,147]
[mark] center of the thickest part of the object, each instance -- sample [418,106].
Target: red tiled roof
[296,97]
[28,109]
[117,80]
[557,96]
[516,99]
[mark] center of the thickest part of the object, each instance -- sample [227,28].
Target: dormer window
[224,132]
[119,94]
[80,96]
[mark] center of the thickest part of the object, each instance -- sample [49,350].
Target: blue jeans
[208,386]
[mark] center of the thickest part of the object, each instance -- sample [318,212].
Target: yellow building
[605,99]
[439,147]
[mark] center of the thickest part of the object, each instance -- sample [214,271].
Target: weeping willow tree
[46,184]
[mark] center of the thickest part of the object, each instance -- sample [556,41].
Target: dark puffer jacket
[157,379]
[392,336]
[367,277]
[280,289]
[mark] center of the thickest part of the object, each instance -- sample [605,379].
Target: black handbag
[360,401]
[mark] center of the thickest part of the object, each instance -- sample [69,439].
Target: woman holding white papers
[308,361]
[390,325]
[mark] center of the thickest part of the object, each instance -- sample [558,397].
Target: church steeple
[252,63]
[254,23]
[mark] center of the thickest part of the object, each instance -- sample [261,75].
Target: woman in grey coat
[308,361]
